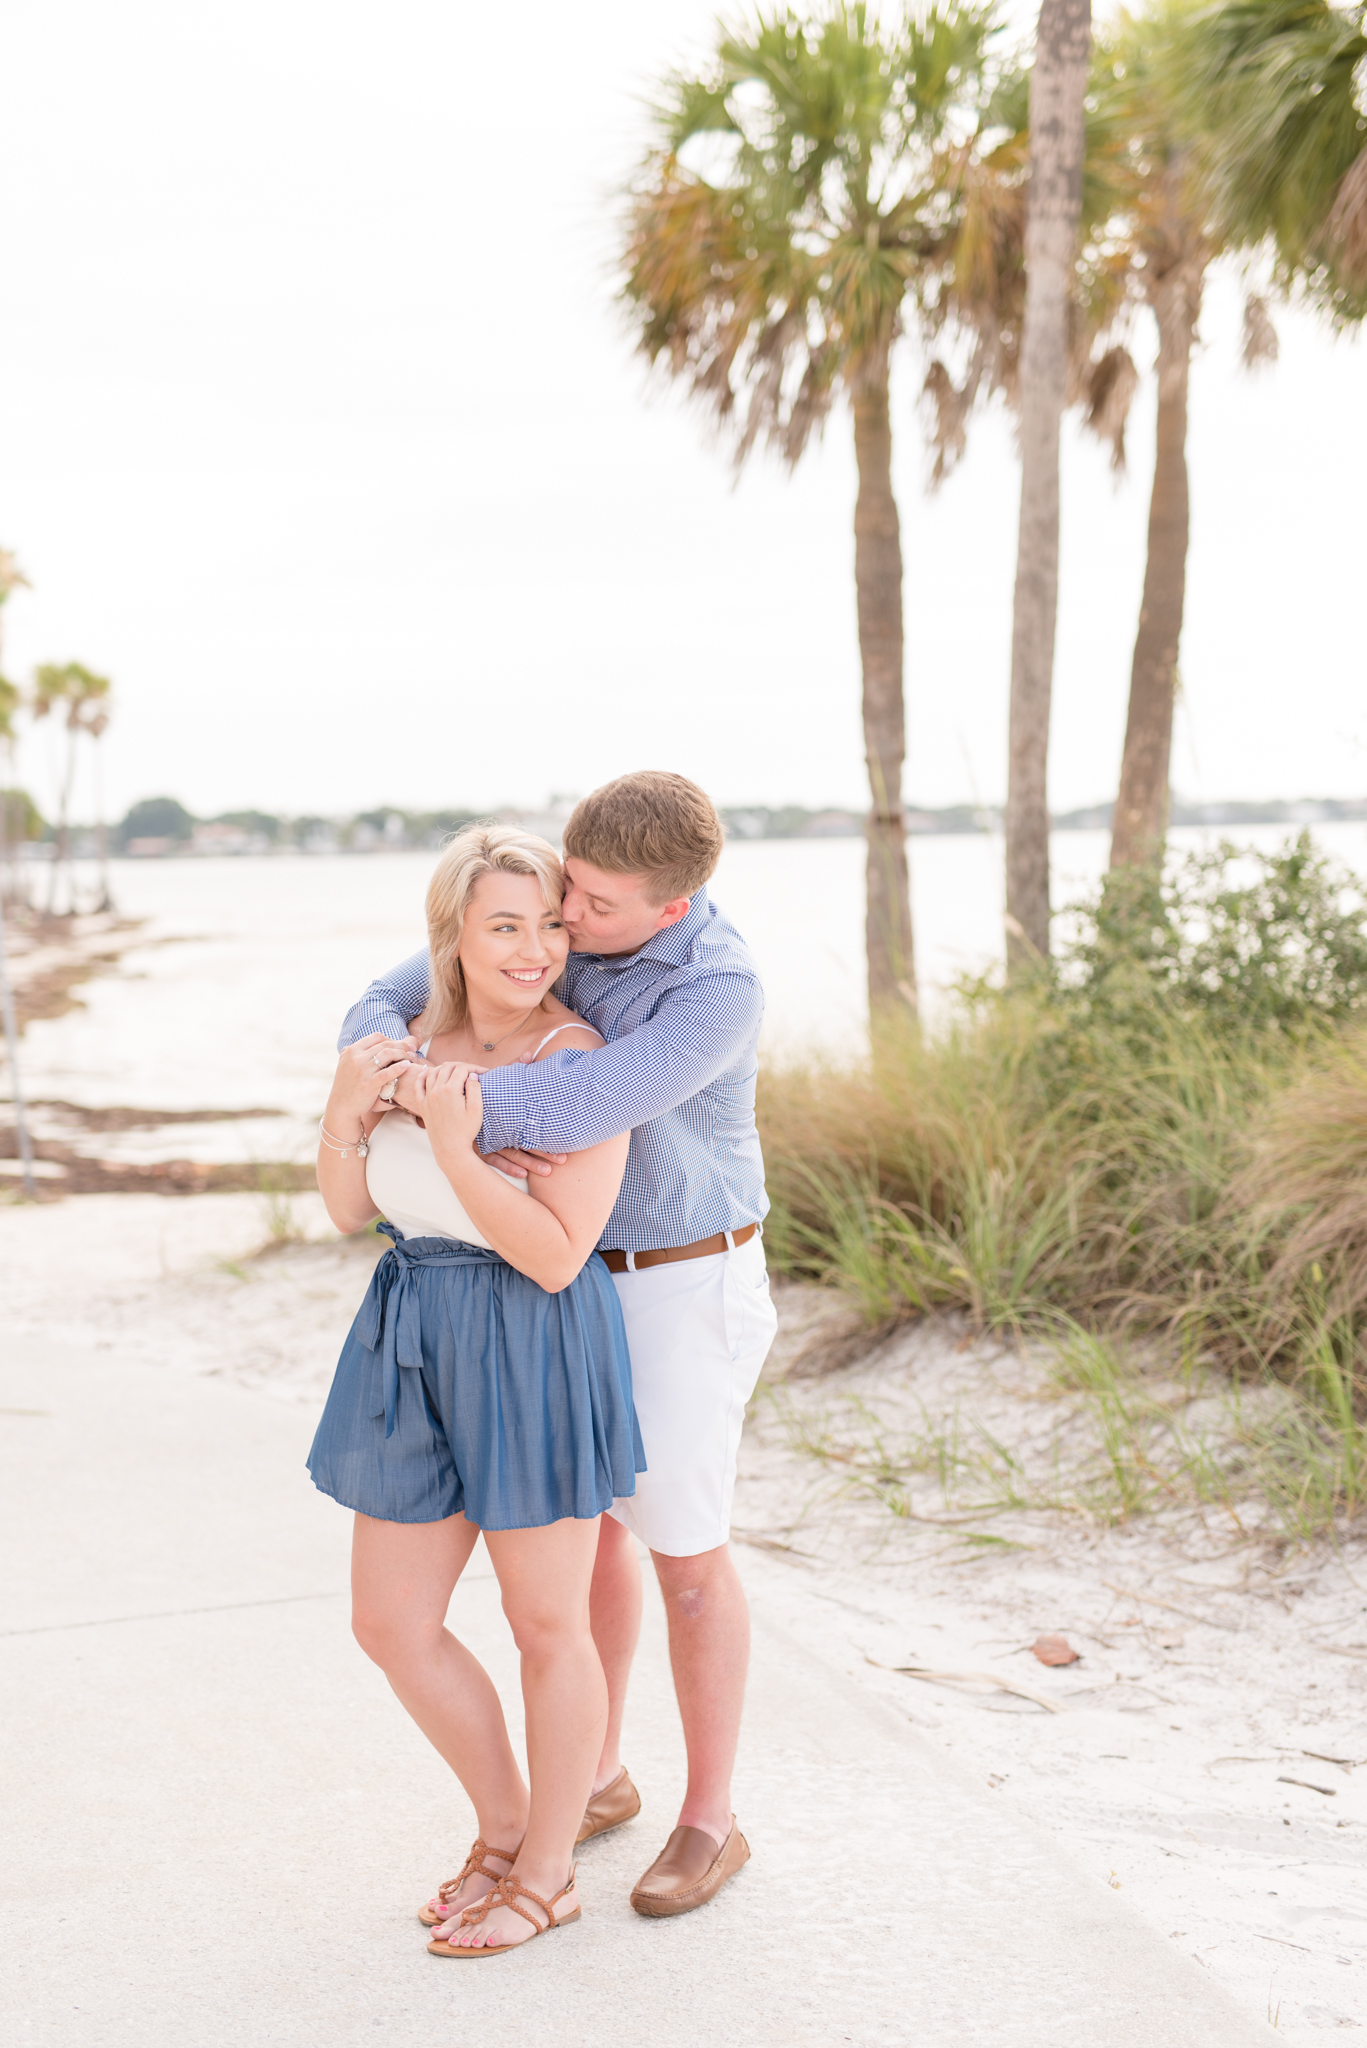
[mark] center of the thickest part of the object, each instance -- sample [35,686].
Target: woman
[485,1385]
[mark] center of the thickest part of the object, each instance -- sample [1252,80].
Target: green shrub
[1246,937]
[1166,1134]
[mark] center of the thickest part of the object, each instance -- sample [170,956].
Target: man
[669,983]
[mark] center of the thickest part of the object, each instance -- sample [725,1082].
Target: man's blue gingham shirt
[682,1020]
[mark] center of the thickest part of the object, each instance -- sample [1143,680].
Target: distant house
[833,825]
[219,839]
[149,849]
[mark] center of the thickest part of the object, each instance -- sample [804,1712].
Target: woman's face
[513,948]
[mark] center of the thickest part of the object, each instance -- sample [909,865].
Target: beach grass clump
[1165,1134]
[1120,1443]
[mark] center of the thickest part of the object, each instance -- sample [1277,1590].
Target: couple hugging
[558,1350]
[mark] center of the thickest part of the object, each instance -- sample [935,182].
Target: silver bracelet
[360,1147]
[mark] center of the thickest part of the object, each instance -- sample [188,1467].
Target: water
[233,994]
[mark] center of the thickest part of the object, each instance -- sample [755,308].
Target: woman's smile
[528,976]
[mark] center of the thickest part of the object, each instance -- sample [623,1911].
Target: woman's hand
[452,1106]
[362,1071]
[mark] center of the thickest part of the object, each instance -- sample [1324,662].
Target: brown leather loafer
[618,1801]
[689,1871]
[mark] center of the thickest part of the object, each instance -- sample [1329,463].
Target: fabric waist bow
[389,1320]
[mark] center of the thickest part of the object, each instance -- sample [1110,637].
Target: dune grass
[1166,1135]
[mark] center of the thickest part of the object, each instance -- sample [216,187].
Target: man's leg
[709,1653]
[698,1333]
[615,1617]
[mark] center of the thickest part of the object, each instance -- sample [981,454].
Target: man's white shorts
[698,1333]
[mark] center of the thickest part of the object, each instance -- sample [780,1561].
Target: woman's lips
[528,978]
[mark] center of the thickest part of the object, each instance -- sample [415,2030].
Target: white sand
[1161,1776]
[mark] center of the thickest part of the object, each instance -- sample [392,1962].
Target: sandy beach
[1201,1760]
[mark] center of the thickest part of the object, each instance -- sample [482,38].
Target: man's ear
[670,913]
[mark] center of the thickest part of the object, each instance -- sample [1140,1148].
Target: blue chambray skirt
[465,1387]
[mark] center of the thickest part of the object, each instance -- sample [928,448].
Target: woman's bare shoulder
[567,1032]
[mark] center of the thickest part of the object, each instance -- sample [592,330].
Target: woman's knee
[543,1628]
[390,1638]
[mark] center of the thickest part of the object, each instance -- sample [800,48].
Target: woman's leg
[402,1578]
[615,1610]
[545,1575]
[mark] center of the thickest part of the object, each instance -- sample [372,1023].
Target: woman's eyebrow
[505,913]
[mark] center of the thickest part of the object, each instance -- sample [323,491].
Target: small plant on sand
[277,1180]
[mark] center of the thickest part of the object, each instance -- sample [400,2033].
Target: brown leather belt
[705,1248]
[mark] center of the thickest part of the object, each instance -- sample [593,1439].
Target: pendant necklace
[492,1044]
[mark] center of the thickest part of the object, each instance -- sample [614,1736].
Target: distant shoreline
[394,831]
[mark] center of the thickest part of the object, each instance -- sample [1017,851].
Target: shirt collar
[670,947]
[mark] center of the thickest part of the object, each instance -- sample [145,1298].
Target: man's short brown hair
[653,824]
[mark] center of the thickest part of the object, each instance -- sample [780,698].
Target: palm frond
[1260,344]
[1108,393]
[1271,103]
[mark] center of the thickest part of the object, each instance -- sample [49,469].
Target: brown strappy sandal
[507,1892]
[473,1866]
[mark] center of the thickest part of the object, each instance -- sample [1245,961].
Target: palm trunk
[878,582]
[106,901]
[1141,809]
[7,861]
[1053,206]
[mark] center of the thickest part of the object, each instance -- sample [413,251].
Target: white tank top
[409,1188]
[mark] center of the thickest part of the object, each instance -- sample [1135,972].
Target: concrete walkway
[219,1824]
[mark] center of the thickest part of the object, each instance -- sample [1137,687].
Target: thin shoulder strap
[575,1024]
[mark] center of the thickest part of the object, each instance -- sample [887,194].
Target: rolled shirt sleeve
[572,1100]
[390,1003]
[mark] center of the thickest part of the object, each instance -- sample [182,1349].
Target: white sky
[321,434]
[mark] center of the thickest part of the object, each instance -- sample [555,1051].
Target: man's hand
[524,1163]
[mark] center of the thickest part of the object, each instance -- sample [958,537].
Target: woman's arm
[351,1115]
[549,1233]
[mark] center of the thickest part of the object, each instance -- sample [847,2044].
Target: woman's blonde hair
[478,850]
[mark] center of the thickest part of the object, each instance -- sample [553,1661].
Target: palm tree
[778,282]
[86,697]
[1245,131]
[10,826]
[1168,250]
[1145,240]
[1058,83]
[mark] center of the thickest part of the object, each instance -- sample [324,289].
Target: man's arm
[389,1004]
[573,1100]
